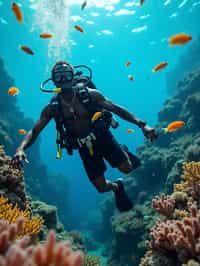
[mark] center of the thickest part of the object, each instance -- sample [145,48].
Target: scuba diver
[73,108]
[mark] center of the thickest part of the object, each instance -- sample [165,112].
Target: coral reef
[20,253]
[164,205]
[162,162]
[11,182]
[91,261]
[179,235]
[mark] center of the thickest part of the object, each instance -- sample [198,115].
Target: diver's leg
[102,185]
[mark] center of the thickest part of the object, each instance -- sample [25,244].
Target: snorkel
[64,76]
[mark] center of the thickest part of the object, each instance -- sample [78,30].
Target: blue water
[106,52]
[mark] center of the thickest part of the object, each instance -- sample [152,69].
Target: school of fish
[174,40]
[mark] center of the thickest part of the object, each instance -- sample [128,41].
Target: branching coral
[19,253]
[182,237]
[11,213]
[164,205]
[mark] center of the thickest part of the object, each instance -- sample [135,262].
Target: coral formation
[10,213]
[164,205]
[11,182]
[179,234]
[19,253]
[91,261]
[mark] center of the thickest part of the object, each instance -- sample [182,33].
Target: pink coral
[182,236]
[18,253]
[164,205]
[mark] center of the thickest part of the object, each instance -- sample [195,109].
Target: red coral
[183,236]
[19,254]
[164,205]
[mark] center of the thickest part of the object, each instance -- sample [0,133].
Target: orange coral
[11,213]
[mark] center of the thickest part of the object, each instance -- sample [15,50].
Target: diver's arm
[124,114]
[29,139]
[117,109]
[45,117]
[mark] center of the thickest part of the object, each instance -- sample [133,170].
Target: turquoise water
[115,32]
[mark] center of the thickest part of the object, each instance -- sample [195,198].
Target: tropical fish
[130,77]
[141,2]
[159,66]
[22,131]
[13,91]
[174,126]
[18,13]
[179,39]
[128,64]
[96,116]
[84,4]
[46,35]
[130,130]
[26,49]
[79,28]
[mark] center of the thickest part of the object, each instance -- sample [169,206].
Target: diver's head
[63,75]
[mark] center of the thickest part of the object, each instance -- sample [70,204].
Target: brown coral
[50,253]
[11,213]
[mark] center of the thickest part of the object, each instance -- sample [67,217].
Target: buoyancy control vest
[64,138]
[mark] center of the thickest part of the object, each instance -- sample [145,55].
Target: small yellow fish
[174,126]
[13,91]
[130,130]
[22,131]
[96,116]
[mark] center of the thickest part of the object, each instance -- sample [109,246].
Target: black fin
[122,200]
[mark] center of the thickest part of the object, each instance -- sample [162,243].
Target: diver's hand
[18,159]
[149,133]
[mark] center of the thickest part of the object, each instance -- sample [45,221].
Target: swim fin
[122,200]
[134,159]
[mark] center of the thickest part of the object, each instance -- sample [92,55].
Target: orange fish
[128,64]
[129,130]
[159,66]
[141,2]
[13,91]
[96,116]
[130,77]
[79,28]
[18,13]
[26,49]
[174,126]
[46,35]
[22,131]
[179,39]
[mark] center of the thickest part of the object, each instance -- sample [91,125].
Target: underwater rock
[47,212]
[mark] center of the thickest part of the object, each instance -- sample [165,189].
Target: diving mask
[62,74]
